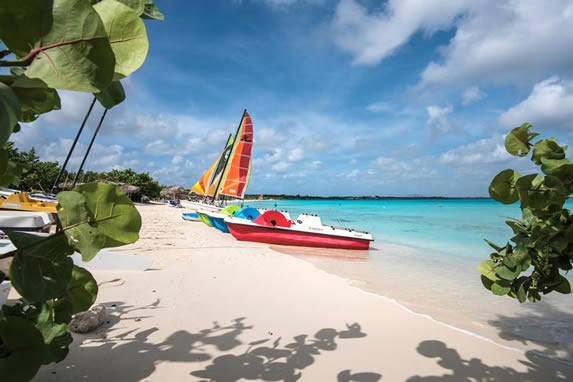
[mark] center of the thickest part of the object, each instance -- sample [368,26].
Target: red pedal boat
[274,227]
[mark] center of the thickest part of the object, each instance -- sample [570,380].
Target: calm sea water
[425,255]
[454,227]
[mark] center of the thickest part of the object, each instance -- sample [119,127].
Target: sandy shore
[211,308]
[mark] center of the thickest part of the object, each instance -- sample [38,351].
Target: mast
[227,160]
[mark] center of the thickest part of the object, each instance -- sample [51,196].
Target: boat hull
[220,224]
[190,216]
[205,218]
[274,235]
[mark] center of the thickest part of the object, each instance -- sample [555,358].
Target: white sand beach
[211,308]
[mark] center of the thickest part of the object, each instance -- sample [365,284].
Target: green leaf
[9,112]
[35,97]
[487,283]
[41,268]
[68,47]
[137,5]
[112,95]
[525,186]
[564,287]
[82,290]
[494,246]
[500,289]
[517,226]
[56,336]
[503,187]
[151,11]
[96,216]
[25,347]
[517,141]
[127,36]
[487,269]
[547,149]
[506,273]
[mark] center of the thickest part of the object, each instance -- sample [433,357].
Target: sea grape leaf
[151,11]
[67,49]
[500,289]
[563,287]
[506,273]
[9,112]
[137,5]
[127,35]
[41,267]
[35,97]
[487,269]
[112,95]
[82,290]
[547,149]
[16,17]
[503,187]
[56,336]
[493,245]
[517,141]
[96,216]
[23,348]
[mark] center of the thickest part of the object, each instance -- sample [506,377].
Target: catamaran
[229,174]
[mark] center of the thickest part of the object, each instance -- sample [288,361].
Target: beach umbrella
[129,189]
[172,192]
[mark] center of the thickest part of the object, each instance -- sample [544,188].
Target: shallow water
[425,255]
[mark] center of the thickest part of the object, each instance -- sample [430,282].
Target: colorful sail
[238,169]
[207,184]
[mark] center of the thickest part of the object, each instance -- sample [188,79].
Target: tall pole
[73,146]
[89,147]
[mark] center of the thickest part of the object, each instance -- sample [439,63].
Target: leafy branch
[79,45]
[543,238]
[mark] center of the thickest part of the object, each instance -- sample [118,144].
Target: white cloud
[177,159]
[281,167]
[380,107]
[74,106]
[158,148]
[438,119]
[373,36]
[490,150]
[507,41]
[296,155]
[316,165]
[550,104]
[471,95]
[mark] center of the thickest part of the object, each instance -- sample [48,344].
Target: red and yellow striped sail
[238,169]
[207,184]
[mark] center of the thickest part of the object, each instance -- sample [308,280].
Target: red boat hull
[273,235]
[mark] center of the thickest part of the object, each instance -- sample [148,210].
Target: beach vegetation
[77,45]
[534,259]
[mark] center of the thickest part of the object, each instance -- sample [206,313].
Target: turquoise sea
[425,255]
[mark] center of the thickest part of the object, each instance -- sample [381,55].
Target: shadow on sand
[111,353]
[264,360]
[542,324]
[458,369]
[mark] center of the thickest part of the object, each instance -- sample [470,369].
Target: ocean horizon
[425,254]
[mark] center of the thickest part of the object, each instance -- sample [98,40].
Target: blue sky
[347,97]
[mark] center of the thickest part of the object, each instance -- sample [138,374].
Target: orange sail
[236,176]
[207,184]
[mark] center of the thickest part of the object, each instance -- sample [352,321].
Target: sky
[347,97]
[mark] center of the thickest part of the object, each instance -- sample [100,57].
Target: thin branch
[4,53]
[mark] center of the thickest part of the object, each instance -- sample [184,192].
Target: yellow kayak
[21,201]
